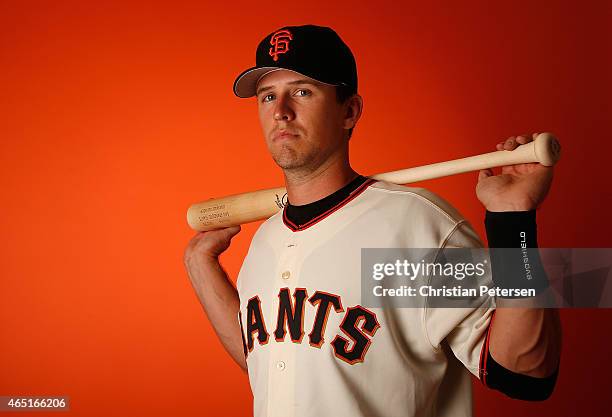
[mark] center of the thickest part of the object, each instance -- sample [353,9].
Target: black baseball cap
[316,52]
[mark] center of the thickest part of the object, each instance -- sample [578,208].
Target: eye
[267,97]
[305,92]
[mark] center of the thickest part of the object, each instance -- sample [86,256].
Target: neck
[304,187]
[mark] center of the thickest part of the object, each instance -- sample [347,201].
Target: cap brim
[246,83]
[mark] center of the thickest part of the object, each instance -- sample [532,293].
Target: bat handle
[547,149]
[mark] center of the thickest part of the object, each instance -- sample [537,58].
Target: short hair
[343,93]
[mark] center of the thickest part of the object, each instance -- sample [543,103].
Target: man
[296,321]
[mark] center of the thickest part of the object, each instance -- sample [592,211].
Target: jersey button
[280,365]
[286,275]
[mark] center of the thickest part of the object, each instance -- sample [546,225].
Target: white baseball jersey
[314,350]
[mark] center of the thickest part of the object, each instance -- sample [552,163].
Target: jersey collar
[299,218]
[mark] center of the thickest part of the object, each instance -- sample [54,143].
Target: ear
[354,107]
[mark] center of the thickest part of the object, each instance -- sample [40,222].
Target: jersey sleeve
[464,330]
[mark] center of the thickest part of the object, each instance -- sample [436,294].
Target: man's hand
[207,246]
[520,187]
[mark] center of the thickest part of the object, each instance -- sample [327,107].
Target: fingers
[223,233]
[507,145]
[484,173]
[233,231]
[211,243]
[513,142]
[523,139]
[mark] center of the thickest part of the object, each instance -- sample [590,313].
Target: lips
[284,134]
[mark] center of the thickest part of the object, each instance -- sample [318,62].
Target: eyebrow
[296,82]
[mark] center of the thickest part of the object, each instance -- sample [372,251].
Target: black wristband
[515,259]
[505,228]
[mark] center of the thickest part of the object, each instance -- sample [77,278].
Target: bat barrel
[217,213]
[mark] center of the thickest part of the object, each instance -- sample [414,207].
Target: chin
[290,162]
[287,164]
[288,157]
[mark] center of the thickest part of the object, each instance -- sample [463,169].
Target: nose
[283,109]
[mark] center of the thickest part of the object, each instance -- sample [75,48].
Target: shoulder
[270,228]
[419,201]
[431,209]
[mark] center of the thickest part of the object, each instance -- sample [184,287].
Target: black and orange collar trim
[296,228]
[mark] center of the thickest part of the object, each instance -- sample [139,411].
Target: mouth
[284,135]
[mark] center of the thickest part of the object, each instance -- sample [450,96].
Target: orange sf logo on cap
[280,43]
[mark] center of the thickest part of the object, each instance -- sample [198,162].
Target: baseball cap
[316,52]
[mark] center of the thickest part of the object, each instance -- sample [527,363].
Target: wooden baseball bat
[232,210]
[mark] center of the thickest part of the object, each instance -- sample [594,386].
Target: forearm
[220,301]
[526,340]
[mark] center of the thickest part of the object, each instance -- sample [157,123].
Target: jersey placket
[281,365]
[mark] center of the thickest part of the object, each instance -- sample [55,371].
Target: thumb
[484,173]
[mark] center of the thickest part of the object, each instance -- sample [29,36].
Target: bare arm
[527,340]
[216,292]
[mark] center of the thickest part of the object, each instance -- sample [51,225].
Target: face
[302,121]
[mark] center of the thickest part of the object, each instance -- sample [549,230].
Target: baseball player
[296,322]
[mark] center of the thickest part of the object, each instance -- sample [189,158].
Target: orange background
[116,116]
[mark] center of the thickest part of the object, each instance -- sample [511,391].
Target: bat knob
[547,149]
